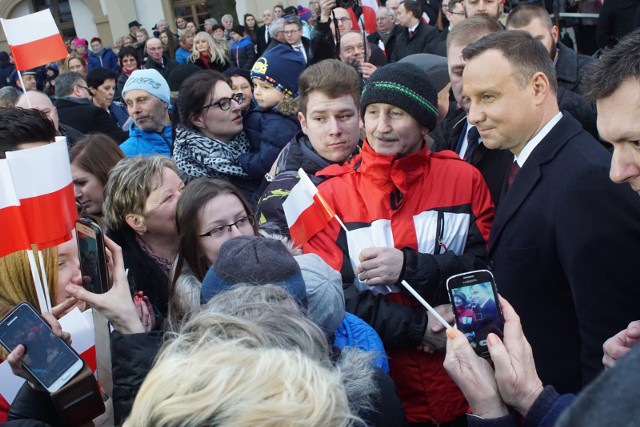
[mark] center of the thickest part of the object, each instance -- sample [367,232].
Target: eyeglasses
[84,87]
[343,19]
[225,103]
[456,13]
[243,223]
[290,32]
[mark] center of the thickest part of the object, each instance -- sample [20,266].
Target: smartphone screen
[92,256]
[49,359]
[474,300]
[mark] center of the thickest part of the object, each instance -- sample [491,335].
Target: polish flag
[15,236]
[42,182]
[34,40]
[306,211]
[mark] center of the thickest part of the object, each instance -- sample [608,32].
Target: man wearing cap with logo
[417,216]
[146,94]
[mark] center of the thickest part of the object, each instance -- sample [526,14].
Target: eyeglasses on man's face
[225,103]
[290,32]
[243,223]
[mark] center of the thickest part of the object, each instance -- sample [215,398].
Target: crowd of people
[445,138]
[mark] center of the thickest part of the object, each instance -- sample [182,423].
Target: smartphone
[48,358]
[93,260]
[474,299]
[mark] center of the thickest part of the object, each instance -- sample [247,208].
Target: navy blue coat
[268,132]
[563,249]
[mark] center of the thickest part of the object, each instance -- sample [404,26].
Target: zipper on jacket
[395,199]
[439,234]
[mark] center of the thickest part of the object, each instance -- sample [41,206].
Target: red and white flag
[34,40]
[42,182]
[306,211]
[14,235]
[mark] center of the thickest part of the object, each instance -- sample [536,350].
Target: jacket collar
[384,170]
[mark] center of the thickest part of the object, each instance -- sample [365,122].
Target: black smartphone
[48,358]
[474,299]
[93,259]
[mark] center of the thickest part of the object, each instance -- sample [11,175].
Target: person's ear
[136,222]
[303,122]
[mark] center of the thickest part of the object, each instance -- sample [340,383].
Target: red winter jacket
[435,208]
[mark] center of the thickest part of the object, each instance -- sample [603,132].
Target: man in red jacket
[420,217]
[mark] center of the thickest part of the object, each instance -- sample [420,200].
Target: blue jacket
[148,143]
[182,55]
[268,132]
[243,53]
[355,332]
[105,59]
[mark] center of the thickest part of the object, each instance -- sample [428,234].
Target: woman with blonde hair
[207,54]
[77,64]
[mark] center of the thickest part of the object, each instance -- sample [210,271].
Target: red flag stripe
[38,52]
[51,217]
[14,237]
[311,221]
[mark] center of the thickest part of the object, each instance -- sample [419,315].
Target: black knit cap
[404,86]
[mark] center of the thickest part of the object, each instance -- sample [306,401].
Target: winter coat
[82,115]
[268,132]
[182,55]
[355,332]
[243,53]
[105,58]
[145,143]
[438,211]
[298,153]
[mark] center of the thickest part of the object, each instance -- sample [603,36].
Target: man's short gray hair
[65,83]
[275,27]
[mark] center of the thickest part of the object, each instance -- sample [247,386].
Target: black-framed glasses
[220,230]
[225,103]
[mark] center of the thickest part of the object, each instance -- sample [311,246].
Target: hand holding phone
[474,299]
[43,355]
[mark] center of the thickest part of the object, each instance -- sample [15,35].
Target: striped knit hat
[404,86]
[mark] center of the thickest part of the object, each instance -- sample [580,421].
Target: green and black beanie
[404,86]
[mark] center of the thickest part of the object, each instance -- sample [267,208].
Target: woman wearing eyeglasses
[209,135]
[209,212]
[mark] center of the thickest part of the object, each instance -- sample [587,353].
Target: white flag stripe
[299,200]
[40,170]
[7,192]
[29,28]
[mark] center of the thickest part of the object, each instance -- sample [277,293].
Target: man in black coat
[387,31]
[157,60]
[417,37]
[262,33]
[76,110]
[570,65]
[561,253]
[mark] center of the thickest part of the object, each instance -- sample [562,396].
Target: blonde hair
[130,182]
[74,56]
[233,383]
[217,53]
[16,280]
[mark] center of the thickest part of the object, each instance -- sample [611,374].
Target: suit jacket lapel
[531,173]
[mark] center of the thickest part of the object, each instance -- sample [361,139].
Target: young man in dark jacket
[328,102]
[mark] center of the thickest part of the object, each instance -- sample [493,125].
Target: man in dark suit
[562,253]
[262,34]
[416,37]
[484,307]
[75,108]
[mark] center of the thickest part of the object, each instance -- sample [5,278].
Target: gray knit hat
[404,86]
